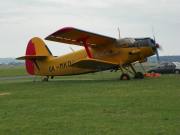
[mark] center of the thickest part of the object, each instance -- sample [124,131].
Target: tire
[139,75]
[45,79]
[177,71]
[125,77]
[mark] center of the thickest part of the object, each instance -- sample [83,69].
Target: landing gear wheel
[139,75]
[177,72]
[45,79]
[125,77]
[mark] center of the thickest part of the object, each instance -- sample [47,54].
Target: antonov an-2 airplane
[100,53]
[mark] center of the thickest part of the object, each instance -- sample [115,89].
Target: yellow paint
[57,66]
[40,47]
[47,65]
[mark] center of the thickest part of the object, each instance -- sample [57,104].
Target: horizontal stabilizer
[94,64]
[31,57]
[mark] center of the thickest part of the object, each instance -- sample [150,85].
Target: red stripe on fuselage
[30,50]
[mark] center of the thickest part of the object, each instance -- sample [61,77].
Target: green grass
[7,71]
[92,104]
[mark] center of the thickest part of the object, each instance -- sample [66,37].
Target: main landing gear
[124,76]
[129,69]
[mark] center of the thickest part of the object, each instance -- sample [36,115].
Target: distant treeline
[152,59]
[10,61]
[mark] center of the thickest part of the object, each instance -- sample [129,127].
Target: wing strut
[86,46]
[87,49]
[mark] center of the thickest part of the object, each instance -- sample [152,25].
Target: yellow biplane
[100,53]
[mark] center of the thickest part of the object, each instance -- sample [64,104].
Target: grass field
[92,104]
[6,71]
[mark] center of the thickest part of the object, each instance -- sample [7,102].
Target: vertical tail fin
[36,46]
[36,50]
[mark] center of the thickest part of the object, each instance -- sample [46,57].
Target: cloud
[20,20]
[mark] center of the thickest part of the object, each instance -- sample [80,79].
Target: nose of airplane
[157,45]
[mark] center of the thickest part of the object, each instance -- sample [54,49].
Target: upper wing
[75,36]
[94,64]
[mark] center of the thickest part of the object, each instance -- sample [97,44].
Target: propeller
[157,55]
[156,51]
[157,46]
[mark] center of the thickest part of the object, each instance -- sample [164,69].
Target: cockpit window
[143,42]
[152,41]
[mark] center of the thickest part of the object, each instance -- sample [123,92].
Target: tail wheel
[45,79]
[139,75]
[125,77]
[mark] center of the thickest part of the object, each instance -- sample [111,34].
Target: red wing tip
[65,29]
[62,30]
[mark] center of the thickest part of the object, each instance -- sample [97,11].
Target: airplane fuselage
[58,66]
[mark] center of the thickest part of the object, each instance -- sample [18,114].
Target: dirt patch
[4,94]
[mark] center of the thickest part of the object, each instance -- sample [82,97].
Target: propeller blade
[157,47]
[160,48]
[157,55]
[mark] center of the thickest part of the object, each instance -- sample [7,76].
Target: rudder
[36,49]
[36,46]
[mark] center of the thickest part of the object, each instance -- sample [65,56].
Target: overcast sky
[21,20]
